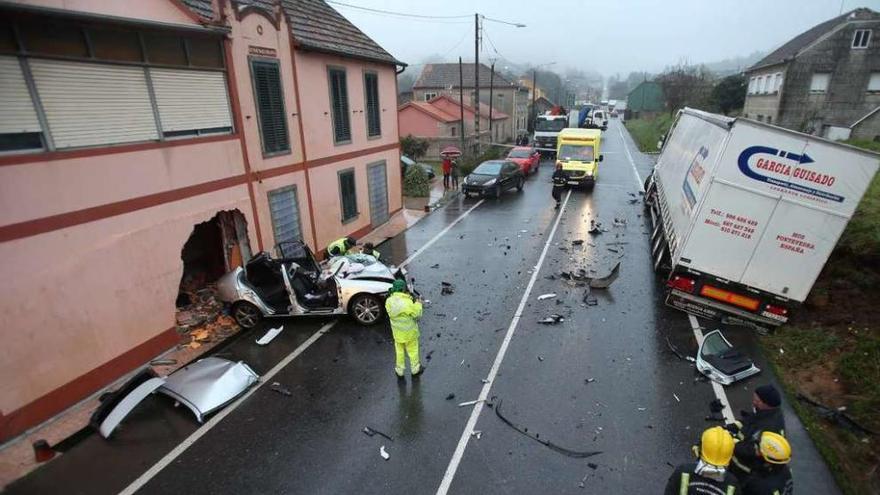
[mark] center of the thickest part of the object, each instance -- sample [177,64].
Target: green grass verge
[863,232]
[646,132]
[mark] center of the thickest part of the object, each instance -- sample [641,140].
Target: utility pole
[533,114]
[461,101]
[477,81]
[491,87]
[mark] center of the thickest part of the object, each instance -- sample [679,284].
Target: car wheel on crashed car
[246,314]
[366,309]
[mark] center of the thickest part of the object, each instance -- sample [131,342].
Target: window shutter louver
[339,95]
[270,106]
[371,90]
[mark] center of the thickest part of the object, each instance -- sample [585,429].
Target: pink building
[145,145]
[439,121]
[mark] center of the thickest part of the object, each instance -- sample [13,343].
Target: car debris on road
[277,387]
[372,432]
[544,297]
[537,437]
[269,335]
[552,319]
[384,453]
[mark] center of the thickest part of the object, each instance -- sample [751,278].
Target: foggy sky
[608,36]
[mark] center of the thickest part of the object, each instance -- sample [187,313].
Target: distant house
[645,100]
[825,81]
[509,97]
[543,105]
[439,121]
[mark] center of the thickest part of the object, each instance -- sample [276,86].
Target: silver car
[294,284]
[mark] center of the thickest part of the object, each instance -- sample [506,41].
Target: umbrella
[450,151]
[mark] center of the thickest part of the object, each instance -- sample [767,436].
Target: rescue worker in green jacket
[341,246]
[370,249]
[709,476]
[404,312]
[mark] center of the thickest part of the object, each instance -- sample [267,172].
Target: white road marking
[440,234]
[631,161]
[716,387]
[484,393]
[214,421]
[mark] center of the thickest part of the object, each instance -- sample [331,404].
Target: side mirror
[601,157]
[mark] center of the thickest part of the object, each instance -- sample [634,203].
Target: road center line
[214,421]
[632,162]
[440,234]
[716,387]
[484,393]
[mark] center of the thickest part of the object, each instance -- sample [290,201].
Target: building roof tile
[446,76]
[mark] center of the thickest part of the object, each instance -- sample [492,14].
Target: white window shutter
[874,82]
[190,99]
[17,113]
[93,104]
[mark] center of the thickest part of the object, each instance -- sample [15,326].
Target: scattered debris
[677,353]
[208,384]
[435,266]
[718,360]
[543,297]
[277,387]
[606,281]
[676,398]
[383,453]
[716,407]
[270,335]
[633,201]
[536,437]
[451,396]
[589,380]
[116,405]
[372,432]
[614,250]
[470,402]
[163,362]
[837,416]
[477,433]
[552,319]
[619,222]
[592,465]
[447,288]
[577,242]
[42,451]
[642,408]
[541,358]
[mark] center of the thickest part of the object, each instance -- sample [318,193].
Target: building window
[339,106]
[269,96]
[430,96]
[874,82]
[769,119]
[371,99]
[453,129]
[20,128]
[760,118]
[191,102]
[819,82]
[348,195]
[284,209]
[861,38]
[778,82]
[752,84]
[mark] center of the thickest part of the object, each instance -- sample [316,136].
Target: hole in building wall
[213,248]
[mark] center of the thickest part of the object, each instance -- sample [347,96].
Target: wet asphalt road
[602,380]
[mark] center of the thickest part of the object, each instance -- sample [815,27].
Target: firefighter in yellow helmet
[772,475]
[709,475]
[404,312]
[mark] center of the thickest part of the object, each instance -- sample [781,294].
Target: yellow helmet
[774,448]
[716,446]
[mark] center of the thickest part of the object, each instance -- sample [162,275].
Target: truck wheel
[366,309]
[246,314]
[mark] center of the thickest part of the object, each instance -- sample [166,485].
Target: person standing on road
[447,171]
[455,172]
[404,312]
[767,416]
[559,180]
[771,476]
[709,476]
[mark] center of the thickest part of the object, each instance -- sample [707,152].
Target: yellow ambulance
[577,150]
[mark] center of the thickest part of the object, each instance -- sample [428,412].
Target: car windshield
[519,154]
[488,168]
[576,152]
[550,125]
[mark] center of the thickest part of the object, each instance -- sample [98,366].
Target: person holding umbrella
[449,154]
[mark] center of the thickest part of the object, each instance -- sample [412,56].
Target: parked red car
[526,157]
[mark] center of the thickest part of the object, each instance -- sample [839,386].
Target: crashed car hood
[376,270]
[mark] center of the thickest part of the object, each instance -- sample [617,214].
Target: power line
[517,24]
[463,36]
[399,14]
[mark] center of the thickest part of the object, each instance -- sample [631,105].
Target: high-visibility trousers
[410,348]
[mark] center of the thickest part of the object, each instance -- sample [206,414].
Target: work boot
[419,371]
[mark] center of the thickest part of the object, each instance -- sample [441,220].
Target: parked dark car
[493,177]
[406,161]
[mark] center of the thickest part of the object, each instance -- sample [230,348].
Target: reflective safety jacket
[686,481]
[338,247]
[403,312]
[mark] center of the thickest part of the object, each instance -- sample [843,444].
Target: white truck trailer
[745,214]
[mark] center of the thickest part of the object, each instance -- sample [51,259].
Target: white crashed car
[294,284]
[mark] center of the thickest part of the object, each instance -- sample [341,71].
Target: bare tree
[686,85]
